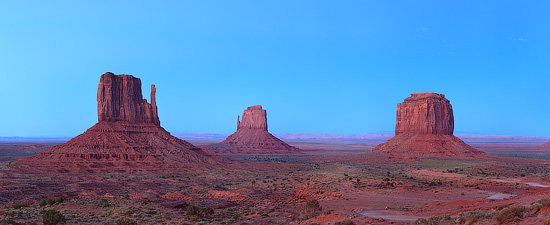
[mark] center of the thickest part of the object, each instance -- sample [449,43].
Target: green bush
[19,205]
[42,202]
[310,209]
[125,221]
[59,199]
[53,217]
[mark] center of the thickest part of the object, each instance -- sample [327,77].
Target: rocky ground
[274,189]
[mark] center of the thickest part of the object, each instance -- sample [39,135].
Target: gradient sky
[316,66]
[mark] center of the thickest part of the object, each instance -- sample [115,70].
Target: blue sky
[316,66]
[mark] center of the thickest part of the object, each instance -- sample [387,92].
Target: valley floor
[348,183]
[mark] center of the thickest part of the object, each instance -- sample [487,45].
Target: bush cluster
[311,208]
[53,217]
[125,221]
[195,212]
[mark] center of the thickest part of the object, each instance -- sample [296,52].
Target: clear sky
[316,66]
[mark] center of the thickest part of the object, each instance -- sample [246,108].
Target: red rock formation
[127,137]
[119,98]
[424,128]
[425,113]
[545,145]
[252,137]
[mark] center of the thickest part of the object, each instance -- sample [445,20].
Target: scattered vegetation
[471,217]
[19,205]
[42,202]
[8,222]
[434,220]
[345,222]
[510,214]
[125,221]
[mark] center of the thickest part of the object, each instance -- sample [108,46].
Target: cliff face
[424,128]
[127,137]
[425,113]
[119,98]
[252,137]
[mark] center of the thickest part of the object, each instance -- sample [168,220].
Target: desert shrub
[328,212]
[125,221]
[50,201]
[129,211]
[311,208]
[538,205]
[434,220]
[510,214]
[469,218]
[42,202]
[8,222]
[59,199]
[19,205]
[104,203]
[197,212]
[345,222]
[53,217]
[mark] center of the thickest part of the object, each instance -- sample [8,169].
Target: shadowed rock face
[424,128]
[127,137]
[252,137]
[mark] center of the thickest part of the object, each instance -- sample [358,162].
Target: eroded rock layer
[252,137]
[424,128]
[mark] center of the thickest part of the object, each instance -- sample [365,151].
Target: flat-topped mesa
[425,113]
[119,98]
[254,117]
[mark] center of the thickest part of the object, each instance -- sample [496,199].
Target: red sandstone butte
[424,128]
[252,137]
[128,136]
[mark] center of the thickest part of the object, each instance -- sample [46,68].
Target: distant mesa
[252,137]
[424,128]
[127,137]
[545,145]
